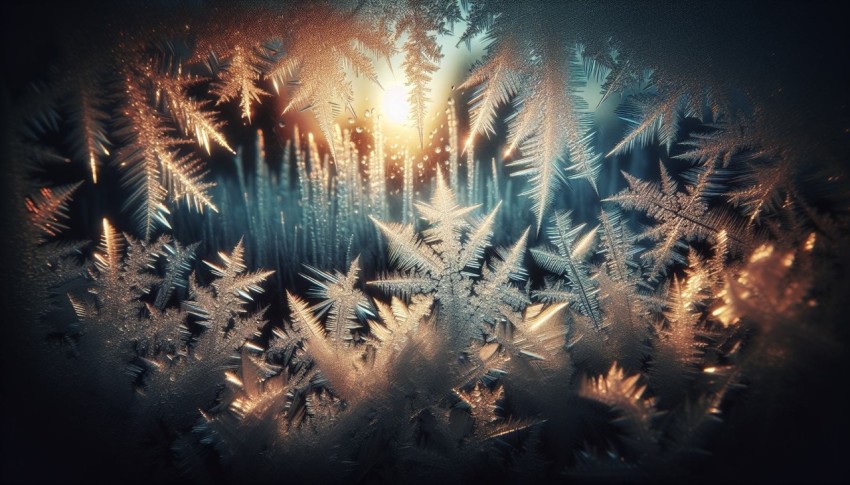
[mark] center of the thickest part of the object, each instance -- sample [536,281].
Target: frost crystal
[377,321]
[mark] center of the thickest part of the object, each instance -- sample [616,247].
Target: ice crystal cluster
[571,269]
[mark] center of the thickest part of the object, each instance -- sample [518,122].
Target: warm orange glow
[810,242]
[233,378]
[394,105]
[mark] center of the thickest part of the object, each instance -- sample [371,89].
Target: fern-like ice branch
[49,208]
[152,166]
[680,216]
[569,261]
[320,45]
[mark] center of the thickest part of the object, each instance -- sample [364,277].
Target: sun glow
[394,105]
